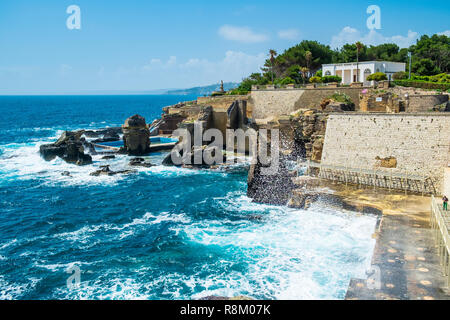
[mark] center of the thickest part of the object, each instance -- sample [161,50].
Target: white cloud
[352,35]
[241,34]
[445,33]
[157,63]
[289,34]
[234,66]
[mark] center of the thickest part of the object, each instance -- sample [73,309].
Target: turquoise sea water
[162,233]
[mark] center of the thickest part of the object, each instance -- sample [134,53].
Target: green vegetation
[377,76]
[423,84]
[302,63]
[341,97]
[400,75]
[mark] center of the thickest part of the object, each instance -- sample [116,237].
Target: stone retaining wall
[414,144]
[277,102]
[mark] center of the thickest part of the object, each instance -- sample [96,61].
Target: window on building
[328,73]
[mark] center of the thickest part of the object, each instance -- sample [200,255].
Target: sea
[161,233]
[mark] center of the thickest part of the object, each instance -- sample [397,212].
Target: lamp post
[410,60]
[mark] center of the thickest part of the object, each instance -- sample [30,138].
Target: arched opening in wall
[328,73]
[367,73]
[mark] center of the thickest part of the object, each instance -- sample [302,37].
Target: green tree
[305,72]
[425,67]
[272,54]
[436,49]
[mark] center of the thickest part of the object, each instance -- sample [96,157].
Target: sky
[143,45]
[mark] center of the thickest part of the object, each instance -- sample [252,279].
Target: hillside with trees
[302,63]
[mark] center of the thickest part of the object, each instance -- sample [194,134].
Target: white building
[348,71]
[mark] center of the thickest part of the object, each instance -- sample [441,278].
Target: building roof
[361,62]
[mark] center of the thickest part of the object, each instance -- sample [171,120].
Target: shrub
[423,84]
[285,81]
[442,78]
[377,76]
[400,75]
[315,79]
[341,97]
[328,79]
[319,74]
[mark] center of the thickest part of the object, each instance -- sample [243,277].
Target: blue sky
[144,45]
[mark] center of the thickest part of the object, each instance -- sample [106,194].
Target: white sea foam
[12,291]
[294,254]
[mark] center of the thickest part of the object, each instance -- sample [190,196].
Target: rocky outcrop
[237,115]
[136,136]
[309,133]
[167,124]
[106,171]
[302,136]
[105,133]
[69,147]
[270,189]
[203,122]
[140,162]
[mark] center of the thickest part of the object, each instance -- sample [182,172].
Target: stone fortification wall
[273,103]
[412,144]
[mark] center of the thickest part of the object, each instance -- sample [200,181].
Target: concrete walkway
[405,254]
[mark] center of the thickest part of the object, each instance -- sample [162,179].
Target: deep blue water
[161,233]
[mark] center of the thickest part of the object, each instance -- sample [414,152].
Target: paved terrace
[405,253]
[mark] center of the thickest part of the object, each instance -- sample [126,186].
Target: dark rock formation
[106,171]
[109,157]
[107,133]
[302,199]
[204,122]
[237,115]
[309,133]
[136,136]
[140,162]
[167,124]
[270,189]
[69,147]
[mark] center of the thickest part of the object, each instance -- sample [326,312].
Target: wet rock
[168,160]
[270,189]
[108,157]
[107,132]
[106,171]
[302,199]
[66,174]
[69,147]
[140,162]
[136,136]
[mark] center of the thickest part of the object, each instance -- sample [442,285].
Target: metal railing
[373,177]
[440,222]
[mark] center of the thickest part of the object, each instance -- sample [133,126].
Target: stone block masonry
[278,102]
[419,143]
[446,187]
